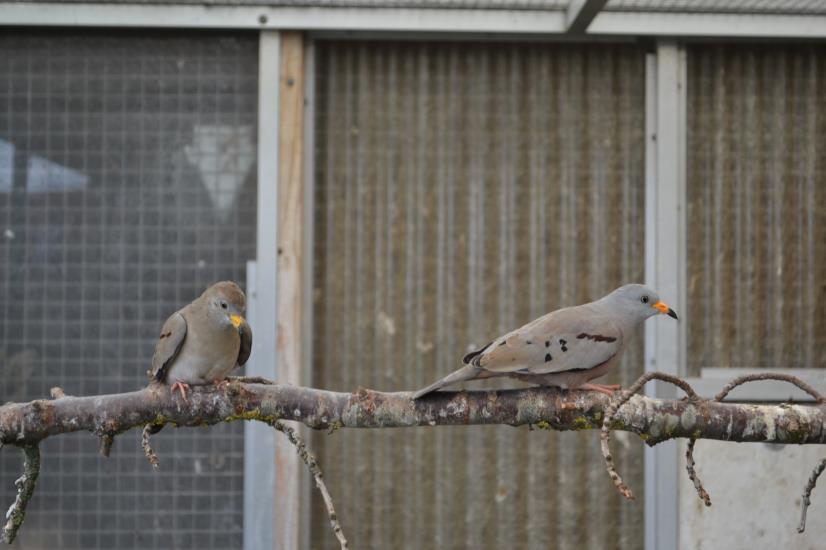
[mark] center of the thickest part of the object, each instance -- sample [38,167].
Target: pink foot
[222,384]
[183,388]
[608,389]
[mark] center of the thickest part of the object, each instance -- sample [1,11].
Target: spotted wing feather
[567,339]
[170,342]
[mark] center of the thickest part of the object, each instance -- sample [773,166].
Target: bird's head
[226,301]
[637,301]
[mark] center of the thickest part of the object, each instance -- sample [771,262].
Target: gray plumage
[565,348]
[205,340]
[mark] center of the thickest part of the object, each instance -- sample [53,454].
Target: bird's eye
[644,299]
[224,305]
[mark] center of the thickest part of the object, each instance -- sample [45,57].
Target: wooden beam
[581,13]
[290,276]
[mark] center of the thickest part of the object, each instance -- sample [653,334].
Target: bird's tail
[469,372]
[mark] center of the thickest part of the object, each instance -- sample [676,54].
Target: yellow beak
[236,320]
[664,309]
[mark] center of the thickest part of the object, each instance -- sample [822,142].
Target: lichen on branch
[654,420]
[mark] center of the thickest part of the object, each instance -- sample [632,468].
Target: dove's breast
[203,360]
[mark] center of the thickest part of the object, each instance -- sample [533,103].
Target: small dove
[204,341]
[565,348]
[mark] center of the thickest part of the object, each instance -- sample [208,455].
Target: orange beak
[236,320]
[664,309]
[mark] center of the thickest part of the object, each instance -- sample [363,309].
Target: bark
[654,420]
[25,425]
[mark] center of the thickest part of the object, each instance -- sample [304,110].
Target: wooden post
[290,476]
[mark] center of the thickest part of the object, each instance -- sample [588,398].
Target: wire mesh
[127,185]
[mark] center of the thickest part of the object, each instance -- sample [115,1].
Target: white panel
[761,509]
[261,17]
[709,24]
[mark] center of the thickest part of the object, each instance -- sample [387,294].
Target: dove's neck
[627,318]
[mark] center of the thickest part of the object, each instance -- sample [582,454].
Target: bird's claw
[183,388]
[223,384]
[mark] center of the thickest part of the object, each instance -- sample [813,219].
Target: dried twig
[57,393]
[25,489]
[807,492]
[689,453]
[769,376]
[147,448]
[106,441]
[315,470]
[613,407]
[692,474]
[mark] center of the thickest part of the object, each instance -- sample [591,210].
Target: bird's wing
[245,332]
[170,342]
[567,339]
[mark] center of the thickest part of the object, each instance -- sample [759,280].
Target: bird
[204,341]
[565,348]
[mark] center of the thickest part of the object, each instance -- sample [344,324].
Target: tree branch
[654,420]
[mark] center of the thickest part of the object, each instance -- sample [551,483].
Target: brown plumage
[565,348]
[205,340]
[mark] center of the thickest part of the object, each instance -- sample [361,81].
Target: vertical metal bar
[259,440]
[665,271]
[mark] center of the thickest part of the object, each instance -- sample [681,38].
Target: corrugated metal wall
[756,206]
[462,190]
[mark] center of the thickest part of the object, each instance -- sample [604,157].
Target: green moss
[543,425]
[254,414]
[161,420]
[581,423]
[796,437]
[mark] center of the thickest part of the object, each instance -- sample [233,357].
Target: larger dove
[565,348]
[204,341]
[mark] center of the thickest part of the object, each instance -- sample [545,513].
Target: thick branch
[655,420]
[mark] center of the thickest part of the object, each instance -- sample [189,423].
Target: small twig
[613,407]
[106,441]
[769,376]
[25,489]
[689,454]
[315,470]
[692,474]
[807,492]
[57,393]
[147,448]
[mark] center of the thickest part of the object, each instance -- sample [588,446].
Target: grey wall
[464,189]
